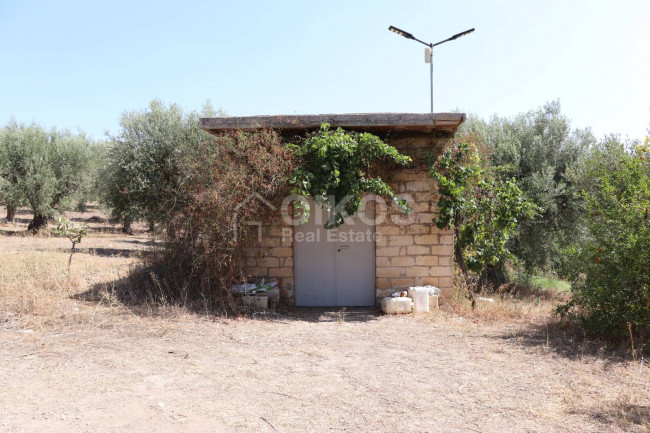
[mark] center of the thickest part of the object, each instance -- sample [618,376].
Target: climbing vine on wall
[342,165]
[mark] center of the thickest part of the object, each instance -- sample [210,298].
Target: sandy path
[309,372]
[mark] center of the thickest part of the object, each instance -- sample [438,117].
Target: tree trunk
[39,222]
[126,226]
[458,251]
[494,276]
[11,212]
[460,259]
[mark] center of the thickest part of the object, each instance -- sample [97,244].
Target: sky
[79,65]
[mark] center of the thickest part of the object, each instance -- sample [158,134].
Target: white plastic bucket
[420,299]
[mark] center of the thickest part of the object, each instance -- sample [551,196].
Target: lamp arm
[422,42]
[439,43]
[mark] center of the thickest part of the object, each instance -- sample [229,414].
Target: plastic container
[420,299]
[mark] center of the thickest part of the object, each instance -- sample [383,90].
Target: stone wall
[272,259]
[412,251]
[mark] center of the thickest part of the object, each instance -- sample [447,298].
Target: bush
[611,288]
[201,256]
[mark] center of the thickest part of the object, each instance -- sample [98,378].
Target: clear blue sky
[80,64]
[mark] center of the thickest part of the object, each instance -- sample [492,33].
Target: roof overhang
[367,122]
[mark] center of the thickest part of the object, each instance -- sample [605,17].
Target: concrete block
[401,283]
[382,262]
[442,250]
[402,261]
[417,271]
[398,241]
[282,252]
[426,239]
[280,272]
[269,262]
[417,250]
[387,251]
[426,261]
[382,293]
[382,284]
[401,305]
[441,271]
[256,302]
[384,229]
[388,272]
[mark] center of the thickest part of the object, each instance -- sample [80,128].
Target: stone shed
[379,251]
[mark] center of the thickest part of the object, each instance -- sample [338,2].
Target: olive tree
[538,149]
[142,176]
[43,169]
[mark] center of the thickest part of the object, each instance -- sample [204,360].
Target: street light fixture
[428,56]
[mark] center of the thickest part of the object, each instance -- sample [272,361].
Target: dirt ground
[68,363]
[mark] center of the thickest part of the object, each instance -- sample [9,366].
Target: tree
[538,149]
[482,208]
[142,176]
[92,183]
[42,169]
[9,194]
[75,234]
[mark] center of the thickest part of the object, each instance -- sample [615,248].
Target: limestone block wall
[272,258]
[411,250]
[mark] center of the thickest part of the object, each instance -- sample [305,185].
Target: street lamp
[428,56]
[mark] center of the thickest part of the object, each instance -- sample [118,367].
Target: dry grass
[522,306]
[78,353]
[37,289]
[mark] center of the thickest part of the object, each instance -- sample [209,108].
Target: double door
[335,267]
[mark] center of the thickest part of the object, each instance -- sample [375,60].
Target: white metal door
[334,267]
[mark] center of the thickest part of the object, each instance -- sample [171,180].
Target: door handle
[344,247]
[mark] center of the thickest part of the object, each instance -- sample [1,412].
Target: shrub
[201,257]
[481,208]
[65,228]
[611,288]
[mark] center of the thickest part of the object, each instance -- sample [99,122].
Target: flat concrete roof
[368,122]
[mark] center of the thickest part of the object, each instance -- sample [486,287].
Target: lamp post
[429,51]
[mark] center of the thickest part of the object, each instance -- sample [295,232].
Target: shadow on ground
[568,341]
[624,415]
[321,314]
[110,252]
[145,302]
